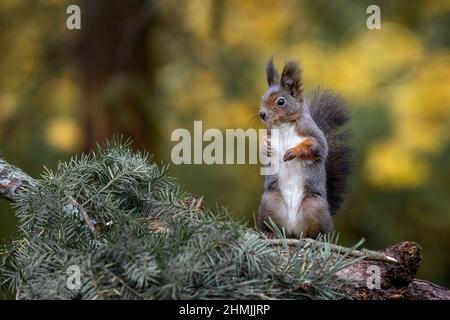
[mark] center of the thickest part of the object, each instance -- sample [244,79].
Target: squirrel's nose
[262,114]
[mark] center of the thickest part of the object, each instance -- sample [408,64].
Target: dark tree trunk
[116,67]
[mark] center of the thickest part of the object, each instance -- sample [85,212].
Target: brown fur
[317,217]
[317,127]
[304,151]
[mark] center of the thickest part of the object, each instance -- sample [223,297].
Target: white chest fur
[290,173]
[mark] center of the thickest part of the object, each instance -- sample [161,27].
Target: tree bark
[12,180]
[397,280]
[397,265]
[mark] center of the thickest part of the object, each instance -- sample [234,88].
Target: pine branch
[160,243]
[12,180]
[363,253]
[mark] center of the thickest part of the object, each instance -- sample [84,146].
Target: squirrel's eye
[281,101]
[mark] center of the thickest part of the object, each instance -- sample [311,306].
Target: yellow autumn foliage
[64,134]
[420,111]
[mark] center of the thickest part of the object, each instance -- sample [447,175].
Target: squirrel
[314,156]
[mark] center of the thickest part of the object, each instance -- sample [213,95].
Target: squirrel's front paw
[303,151]
[266,148]
[290,154]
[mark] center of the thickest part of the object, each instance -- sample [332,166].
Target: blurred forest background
[144,68]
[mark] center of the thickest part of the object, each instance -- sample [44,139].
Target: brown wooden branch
[397,267]
[397,279]
[12,180]
[368,254]
[89,222]
[398,264]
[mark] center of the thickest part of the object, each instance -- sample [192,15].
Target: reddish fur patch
[278,115]
[304,150]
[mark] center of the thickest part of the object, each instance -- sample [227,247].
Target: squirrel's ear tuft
[291,79]
[273,77]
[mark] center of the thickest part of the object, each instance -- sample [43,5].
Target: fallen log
[397,280]
[396,265]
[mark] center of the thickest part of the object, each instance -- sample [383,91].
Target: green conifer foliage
[121,220]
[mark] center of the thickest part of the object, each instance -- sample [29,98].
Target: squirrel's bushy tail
[331,115]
